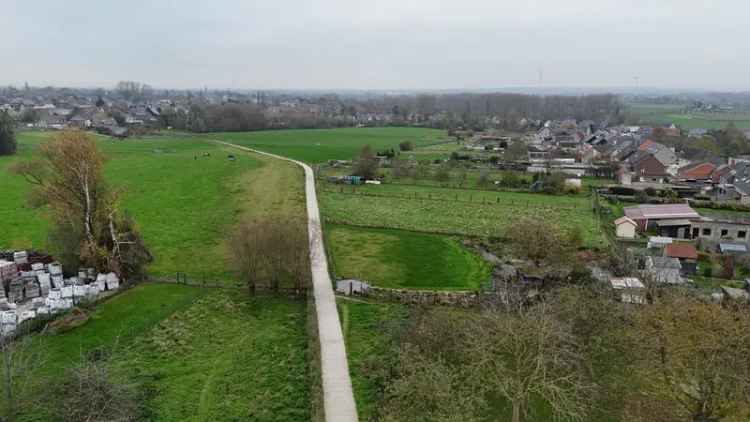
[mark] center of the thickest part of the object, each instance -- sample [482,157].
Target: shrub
[621,190]
[89,392]
[406,146]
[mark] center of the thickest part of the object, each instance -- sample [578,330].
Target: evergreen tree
[7,135]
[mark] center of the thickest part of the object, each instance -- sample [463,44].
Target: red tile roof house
[646,214]
[700,171]
[686,253]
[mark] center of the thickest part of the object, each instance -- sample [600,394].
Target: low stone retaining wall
[461,299]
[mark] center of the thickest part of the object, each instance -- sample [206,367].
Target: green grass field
[320,145]
[226,357]
[184,206]
[453,211]
[369,348]
[673,113]
[402,259]
[203,354]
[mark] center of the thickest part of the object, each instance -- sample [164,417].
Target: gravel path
[338,397]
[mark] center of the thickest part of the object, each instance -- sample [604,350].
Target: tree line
[441,111]
[574,355]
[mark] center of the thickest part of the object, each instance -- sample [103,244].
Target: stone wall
[424,297]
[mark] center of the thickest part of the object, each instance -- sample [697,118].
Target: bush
[367,165]
[89,392]
[621,190]
[650,191]
[406,146]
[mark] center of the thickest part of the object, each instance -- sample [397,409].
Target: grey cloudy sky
[381,44]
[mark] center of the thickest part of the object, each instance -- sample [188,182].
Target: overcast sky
[380,44]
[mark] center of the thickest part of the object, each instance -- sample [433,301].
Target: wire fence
[479,199]
[260,286]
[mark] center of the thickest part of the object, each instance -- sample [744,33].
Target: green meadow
[320,145]
[183,192]
[193,354]
[665,114]
[465,212]
[403,259]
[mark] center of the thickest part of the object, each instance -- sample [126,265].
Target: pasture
[665,114]
[369,348]
[321,145]
[454,211]
[200,354]
[402,259]
[183,193]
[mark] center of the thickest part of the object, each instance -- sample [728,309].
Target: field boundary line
[338,395]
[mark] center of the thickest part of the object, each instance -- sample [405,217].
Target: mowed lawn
[454,211]
[200,354]
[183,192]
[404,259]
[321,145]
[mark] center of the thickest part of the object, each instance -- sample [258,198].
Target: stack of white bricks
[44,291]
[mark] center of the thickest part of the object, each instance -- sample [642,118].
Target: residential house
[702,172]
[686,253]
[647,168]
[651,162]
[740,182]
[49,120]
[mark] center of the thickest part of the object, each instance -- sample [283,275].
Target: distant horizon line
[613,89]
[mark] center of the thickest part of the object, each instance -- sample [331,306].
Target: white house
[625,227]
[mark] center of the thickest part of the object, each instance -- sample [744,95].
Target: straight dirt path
[338,396]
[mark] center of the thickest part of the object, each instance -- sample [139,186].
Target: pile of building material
[34,286]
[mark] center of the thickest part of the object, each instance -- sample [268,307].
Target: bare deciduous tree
[271,250]
[69,179]
[429,389]
[539,241]
[694,355]
[90,393]
[530,355]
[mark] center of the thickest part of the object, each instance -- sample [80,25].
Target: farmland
[197,351]
[320,145]
[453,211]
[401,259]
[674,113]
